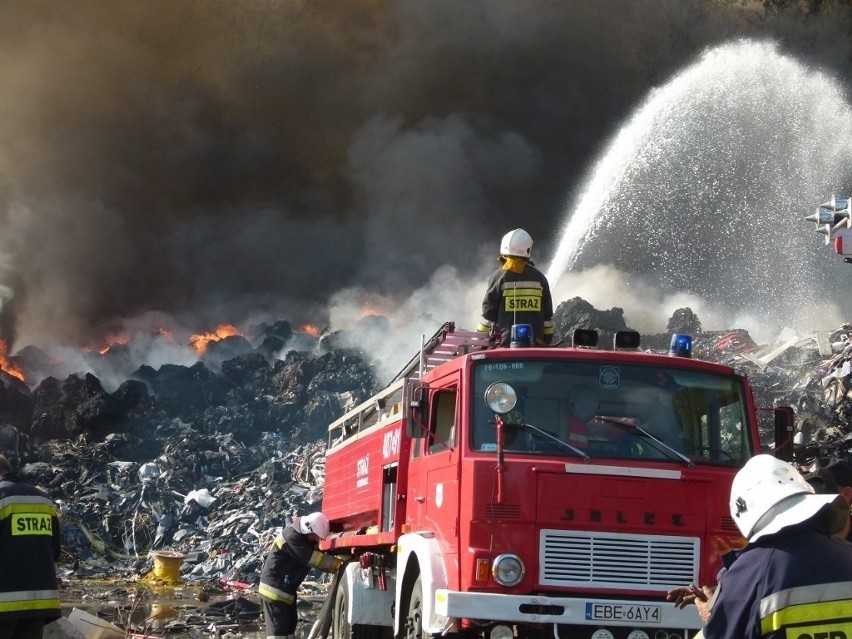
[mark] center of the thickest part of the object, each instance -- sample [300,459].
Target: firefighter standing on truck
[517,293]
[293,555]
[30,543]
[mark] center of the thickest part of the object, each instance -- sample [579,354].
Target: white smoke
[648,307]
[447,297]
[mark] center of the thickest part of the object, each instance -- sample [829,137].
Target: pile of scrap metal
[812,373]
[216,501]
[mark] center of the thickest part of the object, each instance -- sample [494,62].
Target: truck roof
[449,343]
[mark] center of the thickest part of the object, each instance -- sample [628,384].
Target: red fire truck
[535,492]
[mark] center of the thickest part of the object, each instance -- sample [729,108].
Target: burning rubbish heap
[209,459]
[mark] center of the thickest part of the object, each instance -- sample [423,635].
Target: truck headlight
[507,570]
[500,397]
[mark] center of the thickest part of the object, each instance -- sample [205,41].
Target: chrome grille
[613,560]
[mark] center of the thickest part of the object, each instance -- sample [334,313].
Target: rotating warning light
[681,346]
[521,335]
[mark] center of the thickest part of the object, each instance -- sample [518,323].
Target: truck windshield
[614,411]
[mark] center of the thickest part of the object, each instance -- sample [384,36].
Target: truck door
[435,469]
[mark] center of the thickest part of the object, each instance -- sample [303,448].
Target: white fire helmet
[517,243]
[769,494]
[316,523]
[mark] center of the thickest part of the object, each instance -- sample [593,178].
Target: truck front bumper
[586,611]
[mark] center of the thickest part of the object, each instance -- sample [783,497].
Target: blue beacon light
[521,335]
[681,346]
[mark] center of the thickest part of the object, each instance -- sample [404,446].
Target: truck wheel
[340,628]
[414,619]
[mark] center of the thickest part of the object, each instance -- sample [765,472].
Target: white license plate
[638,613]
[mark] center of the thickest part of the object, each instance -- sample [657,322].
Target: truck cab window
[442,428]
[616,411]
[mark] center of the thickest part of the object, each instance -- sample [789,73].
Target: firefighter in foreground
[792,579]
[292,556]
[30,543]
[517,293]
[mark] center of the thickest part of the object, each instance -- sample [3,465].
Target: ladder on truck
[447,343]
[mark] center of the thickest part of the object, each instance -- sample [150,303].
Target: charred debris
[209,459]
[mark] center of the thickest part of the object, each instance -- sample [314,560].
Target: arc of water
[632,148]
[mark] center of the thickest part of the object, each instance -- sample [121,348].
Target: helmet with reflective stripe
[517,243]
[768,494]
[316,523]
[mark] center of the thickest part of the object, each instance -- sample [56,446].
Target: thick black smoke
[214,161]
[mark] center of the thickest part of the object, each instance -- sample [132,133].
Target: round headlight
[507,570]
[500,397]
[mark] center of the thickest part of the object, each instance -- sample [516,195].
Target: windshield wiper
[644,432]
[554,440]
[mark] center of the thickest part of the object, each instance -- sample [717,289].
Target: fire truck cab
[534,492]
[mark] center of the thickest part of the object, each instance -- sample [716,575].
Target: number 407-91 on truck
[535,492]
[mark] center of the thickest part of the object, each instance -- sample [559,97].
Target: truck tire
[340,627]
[413,626]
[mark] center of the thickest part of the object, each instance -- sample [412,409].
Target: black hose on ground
[323,622]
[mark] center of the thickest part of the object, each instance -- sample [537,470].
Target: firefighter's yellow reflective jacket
[30,543]
[796,583]
[290,559]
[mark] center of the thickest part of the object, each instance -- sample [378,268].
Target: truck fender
[419,553]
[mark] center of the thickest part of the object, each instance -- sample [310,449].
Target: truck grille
[612,560]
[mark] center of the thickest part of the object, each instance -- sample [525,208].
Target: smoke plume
[179,165]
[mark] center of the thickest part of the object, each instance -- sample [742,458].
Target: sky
[182,165]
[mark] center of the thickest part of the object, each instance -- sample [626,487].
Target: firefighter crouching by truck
[30,543]
[517,293]
[292,556]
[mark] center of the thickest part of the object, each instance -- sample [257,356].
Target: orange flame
[369,308]
[200,342]
[12,369]
[376,305]
[310,329]
[112,341]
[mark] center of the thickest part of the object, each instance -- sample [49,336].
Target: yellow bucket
[167,565]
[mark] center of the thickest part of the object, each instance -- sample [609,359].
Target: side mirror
[784,427]
[415,403]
